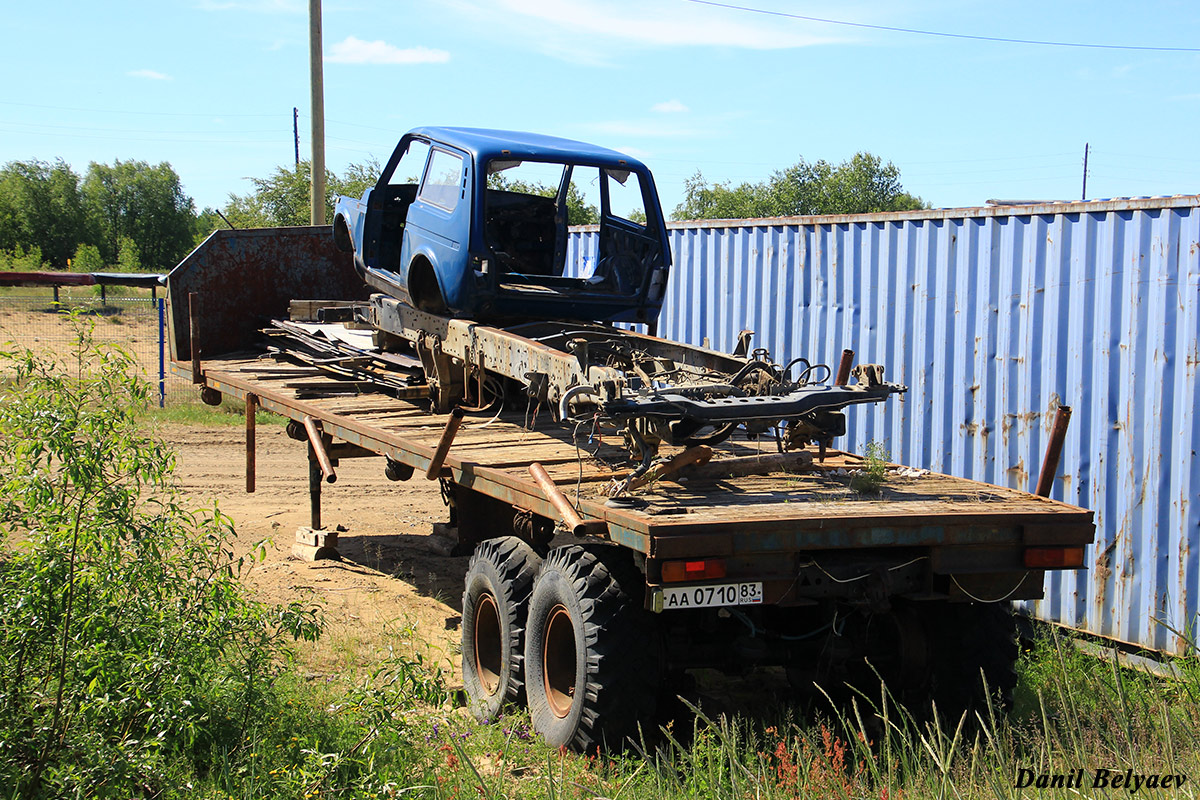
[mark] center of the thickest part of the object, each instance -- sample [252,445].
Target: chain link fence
[46,322]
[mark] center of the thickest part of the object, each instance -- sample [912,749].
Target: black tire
[593,659]
[495,601]
[341,236]
[974,643]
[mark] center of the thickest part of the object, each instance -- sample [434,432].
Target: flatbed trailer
[703,568]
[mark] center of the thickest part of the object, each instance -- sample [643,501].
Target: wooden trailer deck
[802,511]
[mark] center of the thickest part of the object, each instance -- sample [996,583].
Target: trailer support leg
[193,338]
[315,478]
[251,408]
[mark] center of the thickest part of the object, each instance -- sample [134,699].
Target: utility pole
[296,132]
[318,113]
[1085,158]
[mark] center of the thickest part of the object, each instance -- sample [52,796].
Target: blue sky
[209,85]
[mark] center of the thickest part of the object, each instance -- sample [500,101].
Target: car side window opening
[624,199]
[443,180]
[411,165]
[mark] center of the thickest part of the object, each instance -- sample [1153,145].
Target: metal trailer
[753,558]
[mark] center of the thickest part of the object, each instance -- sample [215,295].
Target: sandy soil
[390,586]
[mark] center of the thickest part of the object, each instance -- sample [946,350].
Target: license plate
[721,594]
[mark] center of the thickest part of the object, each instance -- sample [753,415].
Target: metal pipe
[1058,434]
[577,525]
[843,373]
[443,449]
[194,338]
[251,407]
[316,440]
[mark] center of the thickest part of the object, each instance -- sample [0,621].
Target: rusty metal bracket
[1062,418]
[575,523]
[443,449]
[317,440]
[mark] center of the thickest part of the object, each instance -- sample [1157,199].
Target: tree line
[132,215]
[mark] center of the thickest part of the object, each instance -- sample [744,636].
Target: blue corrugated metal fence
[994,317]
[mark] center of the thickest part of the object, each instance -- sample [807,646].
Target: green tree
[579,211]
[861,185]
[207,221]
[282,199]
[41,207]
[144,203]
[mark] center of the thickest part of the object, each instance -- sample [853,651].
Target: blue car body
[451,239]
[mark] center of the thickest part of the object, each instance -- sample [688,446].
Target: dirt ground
[392,586]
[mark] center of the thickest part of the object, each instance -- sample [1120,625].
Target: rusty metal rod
[843,373]
[251,407]
[1058,434]
[693,455]
[577,525]
[193,337]
[316,438]
[443,449]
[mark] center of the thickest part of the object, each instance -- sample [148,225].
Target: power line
[943,34]
[139,113]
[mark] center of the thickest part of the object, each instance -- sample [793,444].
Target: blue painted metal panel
[994,317]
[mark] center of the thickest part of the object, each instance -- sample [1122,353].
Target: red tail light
[1054,557]
[698,570]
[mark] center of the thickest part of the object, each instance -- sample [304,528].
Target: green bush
[87,259]
[21,260]
[130,655]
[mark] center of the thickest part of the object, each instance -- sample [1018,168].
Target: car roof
[485,144]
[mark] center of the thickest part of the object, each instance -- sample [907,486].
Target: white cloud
[672,106]
[353,50]
[149,74]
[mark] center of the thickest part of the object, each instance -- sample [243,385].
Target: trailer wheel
[975,643]
[592,659]
[495,602]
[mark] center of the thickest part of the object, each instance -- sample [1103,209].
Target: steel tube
[577,525]
[443,449]
[843,373]
[1058,433]
[316,439]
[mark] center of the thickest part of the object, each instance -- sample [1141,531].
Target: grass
[869,479]
[191,411]
[1074,712]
